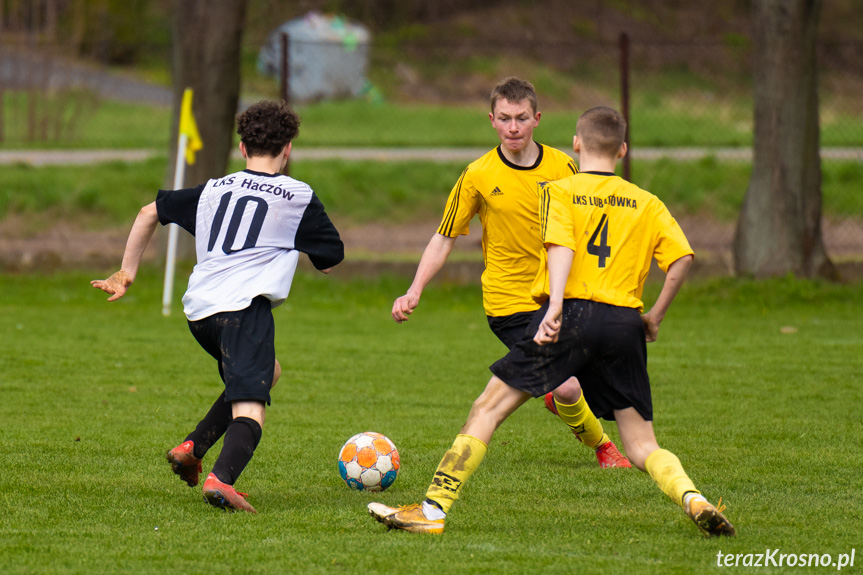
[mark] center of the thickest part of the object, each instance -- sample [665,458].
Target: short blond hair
[601,130]
[514,90]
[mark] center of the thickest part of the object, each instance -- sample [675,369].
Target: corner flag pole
[174,229]
[188,142]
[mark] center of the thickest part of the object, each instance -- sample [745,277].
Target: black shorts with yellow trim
[602,345]
[243,343]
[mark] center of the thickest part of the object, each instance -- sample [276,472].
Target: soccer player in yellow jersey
[601,234]
[501,187]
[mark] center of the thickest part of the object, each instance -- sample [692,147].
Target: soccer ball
[369,461]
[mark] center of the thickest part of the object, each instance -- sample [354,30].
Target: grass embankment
[109,194]
[106,195]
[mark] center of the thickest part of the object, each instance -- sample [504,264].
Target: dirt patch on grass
[372,248]
[64,246]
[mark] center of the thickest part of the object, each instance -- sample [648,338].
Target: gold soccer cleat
[407,517]
[709,519]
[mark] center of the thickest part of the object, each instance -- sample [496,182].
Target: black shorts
[510,329]
[243,342]
[602,345]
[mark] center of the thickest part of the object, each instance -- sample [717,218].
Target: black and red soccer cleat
[184,463]
[223,496]
[609,456]
[549,403]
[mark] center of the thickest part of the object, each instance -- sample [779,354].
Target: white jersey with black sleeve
[248,227]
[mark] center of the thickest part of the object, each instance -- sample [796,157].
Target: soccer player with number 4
[600,233]
[249,227]
[501,187]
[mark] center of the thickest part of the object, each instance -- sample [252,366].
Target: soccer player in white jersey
[249,227]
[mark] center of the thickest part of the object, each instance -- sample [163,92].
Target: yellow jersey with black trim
[615,229]
[506,198]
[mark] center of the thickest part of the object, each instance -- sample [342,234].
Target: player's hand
[549,329]
[651,327]
[115,285]
[404,306]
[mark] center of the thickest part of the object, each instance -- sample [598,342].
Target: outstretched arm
[434,257]
[559,266]
[139,237]
[673,281]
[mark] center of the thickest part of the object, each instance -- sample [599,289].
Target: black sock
[241,439]
[212,427]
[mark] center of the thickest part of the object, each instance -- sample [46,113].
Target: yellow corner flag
[189,127]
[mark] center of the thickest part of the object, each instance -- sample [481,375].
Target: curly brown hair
[266,127]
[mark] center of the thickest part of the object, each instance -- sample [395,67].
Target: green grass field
[94,393]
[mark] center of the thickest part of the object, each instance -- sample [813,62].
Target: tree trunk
[779,228]
[207,44]
[207,39]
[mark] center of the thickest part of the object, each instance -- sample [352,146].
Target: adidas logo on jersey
[496,192]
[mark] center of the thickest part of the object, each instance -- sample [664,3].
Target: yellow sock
[456,467]
[582,421]
[666,470]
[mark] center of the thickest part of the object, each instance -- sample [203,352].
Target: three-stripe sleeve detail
[545,202]
[446,226]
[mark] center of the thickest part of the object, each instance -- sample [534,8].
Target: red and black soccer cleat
[609,456]
[549,403]
[223,496]
[184,463]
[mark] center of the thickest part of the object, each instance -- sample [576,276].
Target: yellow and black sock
[581,420]
[666,470]
[456,467]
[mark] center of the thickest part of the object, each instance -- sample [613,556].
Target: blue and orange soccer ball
[369,461]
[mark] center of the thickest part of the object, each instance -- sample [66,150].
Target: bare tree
[207,40]
[779,228]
